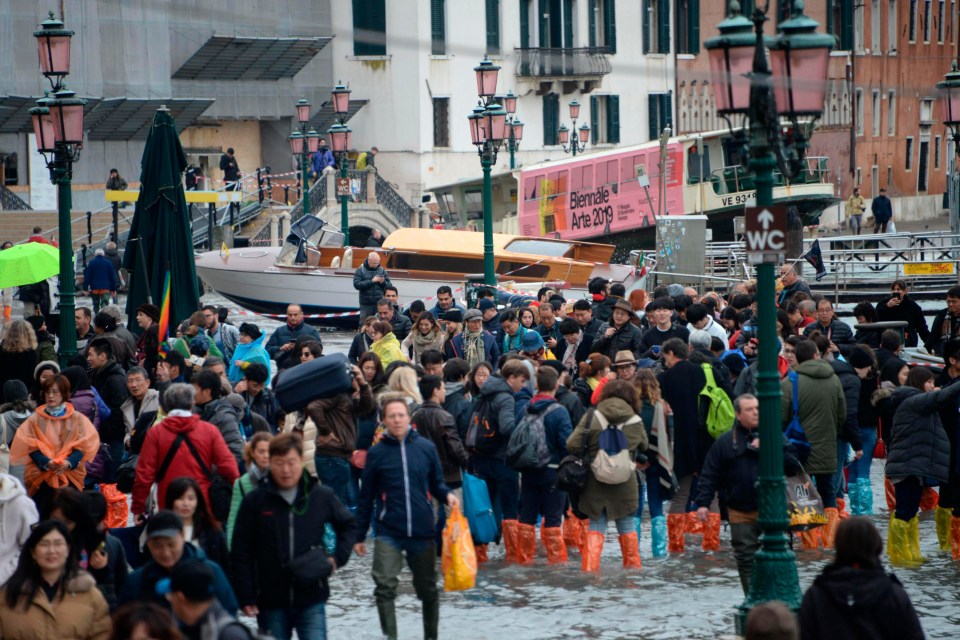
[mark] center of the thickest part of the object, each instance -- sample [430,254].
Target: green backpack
[720,413]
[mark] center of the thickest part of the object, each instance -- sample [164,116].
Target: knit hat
[859,359]
[43,366]
[250,329]
[14,390]
[531,342]
[152,311]
[36,322]
[485,304]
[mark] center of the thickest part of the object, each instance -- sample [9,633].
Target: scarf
[661,445]
[421,343]
[570,355]
[473,350]
[56,412]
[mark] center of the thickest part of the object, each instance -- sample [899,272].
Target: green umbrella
[160,237]
[28,263]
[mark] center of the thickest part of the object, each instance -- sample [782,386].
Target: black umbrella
[160,237]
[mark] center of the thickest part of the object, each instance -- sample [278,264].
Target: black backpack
[483,432]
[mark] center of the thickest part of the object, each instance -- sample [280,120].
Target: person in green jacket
[257,457]
[822,412]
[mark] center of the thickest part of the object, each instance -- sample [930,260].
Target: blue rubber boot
[866,496]
[854,499]
[658,536]
[637,525]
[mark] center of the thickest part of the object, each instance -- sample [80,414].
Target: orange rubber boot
[526,543]
[553,542]
[810,539]
[676,526]
[630,549]
[842,509]
[711,532]
[592,548]
[571,531]
[694,525]
[830,529]
[929,499]
[891,495]
[584,526]
[481,551]
[955,538]
[510,540]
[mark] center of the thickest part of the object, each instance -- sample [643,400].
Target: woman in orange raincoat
[54,443]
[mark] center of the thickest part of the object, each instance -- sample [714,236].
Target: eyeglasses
[52,544]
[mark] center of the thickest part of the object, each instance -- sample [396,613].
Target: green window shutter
[493,27]
[438,44]
[610,25]
[595,118]
[663,16]
[369,27]
[551,117]
[653,118]
[645,8]
[846,26]
[592,23]
[693,26]
[568,24]
[524,24]
[543,8]
[666,112]
[613,119]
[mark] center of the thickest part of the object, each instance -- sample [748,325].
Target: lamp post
[949,90]
[793,90]
[488,124]
[578,141]
[302,144]
[340,137]
[514,126]
[58,127]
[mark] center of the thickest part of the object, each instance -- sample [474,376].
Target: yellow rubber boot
[943,518]
[898,543]
[915,540]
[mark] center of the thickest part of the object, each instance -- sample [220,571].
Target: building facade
[230,73]
[413,61]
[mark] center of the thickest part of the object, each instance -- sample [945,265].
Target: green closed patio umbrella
[160,238]
[28,263]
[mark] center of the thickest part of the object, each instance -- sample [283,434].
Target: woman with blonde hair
[658,469]
[403,380]
[256,455]
[18,353]
[54,443]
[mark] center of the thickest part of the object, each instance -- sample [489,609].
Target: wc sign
[765,232]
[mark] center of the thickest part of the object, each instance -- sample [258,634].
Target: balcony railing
[563,63]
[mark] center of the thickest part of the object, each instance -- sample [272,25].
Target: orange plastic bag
[459,562]
[117,509]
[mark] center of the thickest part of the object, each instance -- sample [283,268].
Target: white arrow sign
[765,218]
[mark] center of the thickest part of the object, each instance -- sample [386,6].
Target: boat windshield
[306,233]
[549,248]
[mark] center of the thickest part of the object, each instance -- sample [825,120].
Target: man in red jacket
[166,455]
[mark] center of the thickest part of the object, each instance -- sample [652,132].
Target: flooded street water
[692,595]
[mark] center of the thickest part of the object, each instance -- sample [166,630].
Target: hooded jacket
[270,534]
[208,442]
[18,514]
[865,602]
[388,349]
[498,393]
[402,476]
[918,445]
[822,412]
[247,354]
[850,381]
[618,500]
[226,418]
[433,422]
[82,614]
[457,405]
[230,339]
[110,381]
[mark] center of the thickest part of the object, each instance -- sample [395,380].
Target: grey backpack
[527,448]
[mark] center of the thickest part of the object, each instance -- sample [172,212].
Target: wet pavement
[683,596]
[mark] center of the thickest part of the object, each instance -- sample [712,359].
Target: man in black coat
[899,306]
[280,565]
[110,381]
[882,210]
[946,324]
[371,280]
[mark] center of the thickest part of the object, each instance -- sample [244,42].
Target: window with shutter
[369,28]
[646,8]
[551,118]
[666,111]
[438,38]
[653,117]
[592,23]
[542,13]
[613,119]
[568,24]
[524,24]
[663,34]
[441,122]
[493,27]
[610,25]
[595,118]
[661,113]
[688,26]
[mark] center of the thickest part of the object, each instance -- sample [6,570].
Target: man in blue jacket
[100,281]
[402,471]
[281,342]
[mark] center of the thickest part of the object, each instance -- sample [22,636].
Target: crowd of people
[239,505]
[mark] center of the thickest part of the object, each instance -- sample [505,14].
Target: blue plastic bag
[476,506]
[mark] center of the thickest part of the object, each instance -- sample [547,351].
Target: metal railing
[737,178]
[9,201]
[562,62]
[393,202]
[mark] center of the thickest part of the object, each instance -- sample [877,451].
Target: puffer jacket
[850,429]
[18,514]
[110,381]
[402,476]
[284,334]
[338,416]
[838,332]
[618,500]
[571,402]
[141,585]
[226,418]
[822,412]
[458,406]
[370,292]
[626,338]
[498,393]
[918,445]
[433,422]
[82,614]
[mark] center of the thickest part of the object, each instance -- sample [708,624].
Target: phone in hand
[655,350]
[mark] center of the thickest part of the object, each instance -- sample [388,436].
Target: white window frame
[891,112]
[858,103]
[875,27]
[891,26]
[875,113]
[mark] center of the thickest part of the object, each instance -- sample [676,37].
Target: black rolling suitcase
[321,378]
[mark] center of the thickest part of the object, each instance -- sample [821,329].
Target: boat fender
[347,262]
